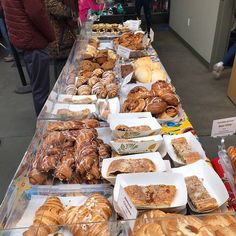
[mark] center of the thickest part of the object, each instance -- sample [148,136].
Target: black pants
[37,64]
[146,4]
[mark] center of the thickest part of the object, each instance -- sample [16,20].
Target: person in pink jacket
[86,5]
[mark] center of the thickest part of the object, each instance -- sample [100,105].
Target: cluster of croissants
[70,152]
[99,83]
[161,100]
[231,152]
[79,220]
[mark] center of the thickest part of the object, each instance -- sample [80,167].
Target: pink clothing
[85,5]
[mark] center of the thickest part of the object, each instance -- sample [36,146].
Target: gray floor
[203,98]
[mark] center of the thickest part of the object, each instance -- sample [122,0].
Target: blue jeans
[3,31]
[229,56]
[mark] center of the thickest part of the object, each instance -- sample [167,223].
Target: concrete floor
[203,98]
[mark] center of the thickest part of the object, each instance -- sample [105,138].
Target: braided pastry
[48,216]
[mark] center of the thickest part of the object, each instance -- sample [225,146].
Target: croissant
[109,74]
[93,80]
[99,90]
[71,89]
[48,163]
[84,90]
[48,217]
[107,80]
[112,90]
[82,80]
[155,105]
[98,72]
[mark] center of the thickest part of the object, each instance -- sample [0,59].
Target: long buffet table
[25,196]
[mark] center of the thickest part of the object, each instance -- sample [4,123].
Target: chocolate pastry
[48,163]
[155,105]
[109,74]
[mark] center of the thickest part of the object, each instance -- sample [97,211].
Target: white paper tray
[210,178]
[192,141]
[154,157]
[144,179]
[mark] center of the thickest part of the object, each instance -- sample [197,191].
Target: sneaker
[9,58]
[217,69]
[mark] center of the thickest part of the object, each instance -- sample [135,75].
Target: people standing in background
[30,30]
[227,61]
[146,4]
[61,16]
[3,32]
[86,5]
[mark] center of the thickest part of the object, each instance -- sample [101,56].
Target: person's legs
[37,63]
[3,31]
[148,15]
[138,6]
[229,56]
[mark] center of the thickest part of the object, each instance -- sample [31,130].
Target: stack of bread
[148,71]
[61,158]
[161,100]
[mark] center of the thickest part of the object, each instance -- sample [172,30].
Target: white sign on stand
[127,208]
[123,52]
[134,25]
[223,127]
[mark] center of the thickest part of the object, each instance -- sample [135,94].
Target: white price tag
[151,35]
[123,52]
[134,25]
[127,79]
[127,208]
[223,127]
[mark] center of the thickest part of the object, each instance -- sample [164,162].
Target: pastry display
[231,152]
[48,217]
[96,209]
[100,83]
[184,151]
[70,152]
[140,128]
[198,195]
[130,166]
[109,28]
[156,196]
[161,100]
[148,71]
[133,41]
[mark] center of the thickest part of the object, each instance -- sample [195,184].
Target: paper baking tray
[192,141]
[144,179]
[151,122]
[137,145]
[137,115]
[75,99]
[210,179]
[154,157]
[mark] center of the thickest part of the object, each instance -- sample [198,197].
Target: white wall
[200,32]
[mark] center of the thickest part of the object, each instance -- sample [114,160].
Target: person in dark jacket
[65,31]
[30,30]
[146,4]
